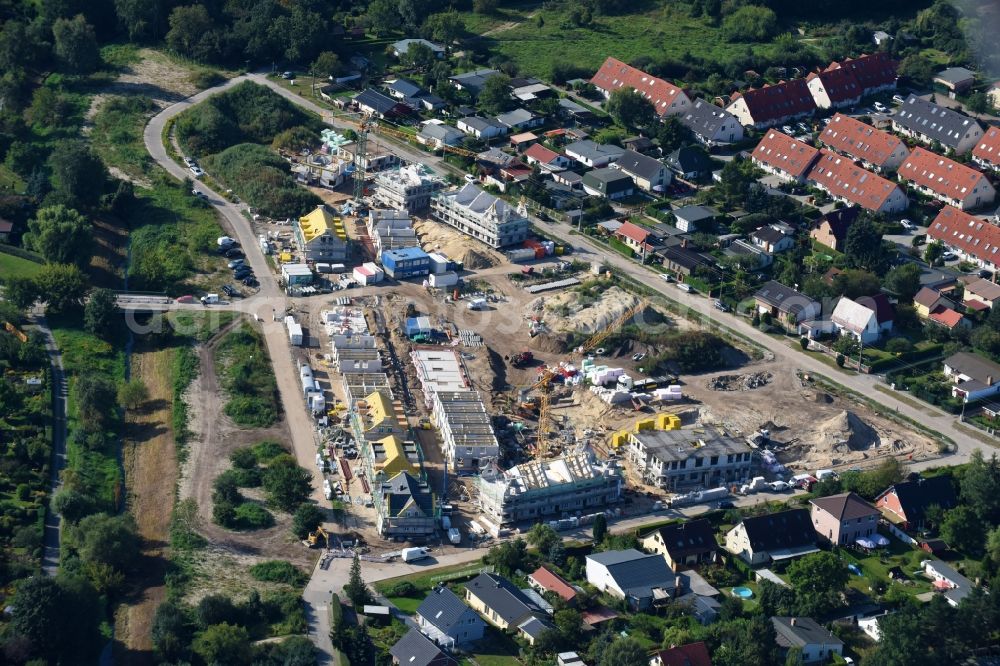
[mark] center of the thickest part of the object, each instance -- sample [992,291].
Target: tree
[101,314]
[192,32]
[355,589]
[672,134]
[61,235]
[72,505]
[993,545]
[630,109]
[141,19]
[306,519]
[817,579]
[624,652]
[224,645]
[75,45]
[295,651]
[600,528]
[484,6]
[327,64]
[846,345]
[445,27]
[917,68]
[287,485]
[775,599]
[60,618]
[542,537]
[863,245]
[95,400]
[750,24]
[22,292]
[904,281]
[508,557]
[933,252]
[980,487]
[132,394]
[105,539]
[494,97]
[383,16]
[978,102]
[963,530]
[172,631]
[744,642]
[855,283]
[78,175]
[61,286]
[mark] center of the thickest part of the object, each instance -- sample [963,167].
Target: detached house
[649,174]
[405,508]
[845,181]
[436,135]
[974,376]
[954,585]
[905,504]
[784,303]
[984,292]
[415,649]
[684,544]
[666,98]
[774,537]
[878,150]
[640,579]
[546,158]
[320,236]
[691,162]
[927,122]
[772,240]
[971,237]
[448,621]
[859,321]
[947,180]
[831,229]
[639,239]
[519,120]
[815,641]
[785,157]
[711,125]
[593,154]
[609,183]
[373,103]
[500,602]
[691,654]
[545,580]
[481,128]
[692,218]
[928,300]
[772,105]
[843,519]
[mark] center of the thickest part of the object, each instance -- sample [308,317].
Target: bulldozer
[313,539]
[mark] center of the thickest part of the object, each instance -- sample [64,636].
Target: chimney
[684,242]
[792,622]
[989,380]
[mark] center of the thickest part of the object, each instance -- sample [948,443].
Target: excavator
[313,539]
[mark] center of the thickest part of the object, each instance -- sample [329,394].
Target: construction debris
[740,382]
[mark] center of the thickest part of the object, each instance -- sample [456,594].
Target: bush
[898,345]
[243,458]
[306,519]
[841,360]
[262,179]
[278,571]
[403,588]
[252,516]
[267,450]
[804,343]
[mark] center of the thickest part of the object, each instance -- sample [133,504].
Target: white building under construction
[407,188]
[481,215]
[572,485]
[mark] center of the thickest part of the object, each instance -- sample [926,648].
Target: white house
[638,578]
[974,377]
[481,128]
[860,322]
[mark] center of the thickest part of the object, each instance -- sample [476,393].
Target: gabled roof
[404,492]
[859,140]
[940,174]
[403,45]
[376,101]
[637,164]
[541,154]
[852,315]
[781,530]
[988,148]
[915,496]
[983,288]
[955,75]
[788,98]
[845,506]
[840,221]
[692,654]
[927,297]
[441,132]
[634,232]
[594,151]
[873,70]
[688,538]
[685,257]
[443,609]
[473,80]
[553,582]
[415,649]
[404,87]
[780,151]
[704,118]
[972,365]
[695,213]
[502,596]
[843,178]
[802,631]
[839,83]
[968,233]
[784,298]
[768,234]
[515,118]
[689,159]
[880,304]
[945,316]
[615,74]
[635,573]
[478,123]
[943,125]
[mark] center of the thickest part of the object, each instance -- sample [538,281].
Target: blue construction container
[406,263]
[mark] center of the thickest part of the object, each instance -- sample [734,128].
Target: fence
[462,573]
[899,534]
[22,253]
[848,362]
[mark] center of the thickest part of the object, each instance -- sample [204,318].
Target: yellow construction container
[619,439]
[645,424]
[667,422]
[559,250]
[285,257]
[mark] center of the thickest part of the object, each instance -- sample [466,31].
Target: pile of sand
[587,318]
[842,433]
[437,237]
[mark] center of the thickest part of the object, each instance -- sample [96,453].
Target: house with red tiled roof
[870,74]
[834,88]
[638,238]
[875,149]
[667,98]
[784,156]
[692,654]
[545,157]
[948,318]
[772,105]
[973,238]
[928,300]
[845,181]
[987,151]
[947,180]
[546,580]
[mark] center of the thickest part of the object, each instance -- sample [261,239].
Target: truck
[454,535]
[477,304]
[413,554]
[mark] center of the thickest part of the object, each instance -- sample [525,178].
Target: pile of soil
[844,432]
[591,317]
[474,259]
[740,382]
[556,343]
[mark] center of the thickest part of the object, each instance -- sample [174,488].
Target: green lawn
[10,181]
[425,581]
[876,567]
[496,648]
[11,266]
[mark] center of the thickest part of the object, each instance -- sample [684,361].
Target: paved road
[60,391]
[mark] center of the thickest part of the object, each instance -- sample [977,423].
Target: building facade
[675,459]
[408,188]
[481,215]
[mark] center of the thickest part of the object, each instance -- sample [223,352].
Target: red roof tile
[615,74]
[859,140]
[788,98]
[633,232]
[541,153]
[978,306]
[968,233]
[553,582]
[843,178]
[988,148]
[940,174]
[871,71]
[946,317]
[692,654]
[780,151]
[839,83]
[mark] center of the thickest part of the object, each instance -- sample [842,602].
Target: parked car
[233,253]
[898,99]
[880,107]
[667,277]
[198,193]
[229,291]
[196,170]
[288,75]
[787,129]
[985,274]
[242,272]
[235,263]
[719,305]
[250,281]
[906,224]
[803,127]
[683,286]
[469,178]
[638,357]
[189,162]
[949,256]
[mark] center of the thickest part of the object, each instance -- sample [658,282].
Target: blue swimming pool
[742,592]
